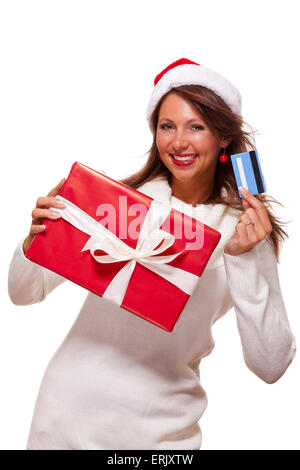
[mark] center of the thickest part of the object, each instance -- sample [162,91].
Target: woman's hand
[248,235]
[41,212]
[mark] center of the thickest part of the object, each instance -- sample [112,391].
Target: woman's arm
[268,343]
[28,282]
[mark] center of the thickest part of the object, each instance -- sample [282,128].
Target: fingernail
[243,190]
[55,214]
[62,180]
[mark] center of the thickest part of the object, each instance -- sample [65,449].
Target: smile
[184,161]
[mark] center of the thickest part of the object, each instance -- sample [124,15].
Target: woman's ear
[225,142]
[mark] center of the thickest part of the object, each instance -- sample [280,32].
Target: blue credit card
[247,172]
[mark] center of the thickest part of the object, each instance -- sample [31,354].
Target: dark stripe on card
[257,175]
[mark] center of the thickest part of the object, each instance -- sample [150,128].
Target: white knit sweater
[120,382]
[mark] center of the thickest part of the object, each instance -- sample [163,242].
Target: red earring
[158,156]
[223,157]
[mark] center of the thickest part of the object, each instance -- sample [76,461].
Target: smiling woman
[194,119]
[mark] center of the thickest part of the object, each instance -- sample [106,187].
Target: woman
[119,382]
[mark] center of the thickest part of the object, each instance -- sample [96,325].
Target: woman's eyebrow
[190,120]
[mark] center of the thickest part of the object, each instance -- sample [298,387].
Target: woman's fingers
[43,213]
[242,238]
[257,229]
[36,228]
[38,215]
[41,210]
[259,208]
[48,201]
[247,235]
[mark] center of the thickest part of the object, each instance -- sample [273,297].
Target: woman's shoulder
[157,187]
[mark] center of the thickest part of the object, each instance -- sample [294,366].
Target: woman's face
[181,131]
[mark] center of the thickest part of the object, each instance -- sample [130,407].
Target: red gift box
[144,263]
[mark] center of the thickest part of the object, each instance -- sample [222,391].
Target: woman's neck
[191,192]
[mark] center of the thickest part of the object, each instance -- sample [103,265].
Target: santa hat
[187,72]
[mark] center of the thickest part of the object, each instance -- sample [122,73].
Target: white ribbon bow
[149,237]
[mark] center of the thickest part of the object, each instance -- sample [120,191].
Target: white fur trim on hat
[191,74]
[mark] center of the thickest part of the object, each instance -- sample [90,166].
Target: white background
[75,81]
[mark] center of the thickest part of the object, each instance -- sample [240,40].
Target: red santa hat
[187,72]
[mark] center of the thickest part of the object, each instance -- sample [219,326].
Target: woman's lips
[183,163]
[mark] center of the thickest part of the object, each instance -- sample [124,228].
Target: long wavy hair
[219,118]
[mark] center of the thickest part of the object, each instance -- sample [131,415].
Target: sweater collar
[217,216]
[210,214]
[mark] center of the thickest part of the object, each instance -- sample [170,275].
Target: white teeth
[183,159]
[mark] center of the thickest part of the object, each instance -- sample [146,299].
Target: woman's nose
[179,141]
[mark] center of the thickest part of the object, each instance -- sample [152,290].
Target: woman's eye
[167,126]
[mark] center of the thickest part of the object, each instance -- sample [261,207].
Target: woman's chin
[184,174]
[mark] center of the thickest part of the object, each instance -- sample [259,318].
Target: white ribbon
[149,237]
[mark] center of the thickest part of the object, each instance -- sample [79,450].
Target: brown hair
[219,118]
